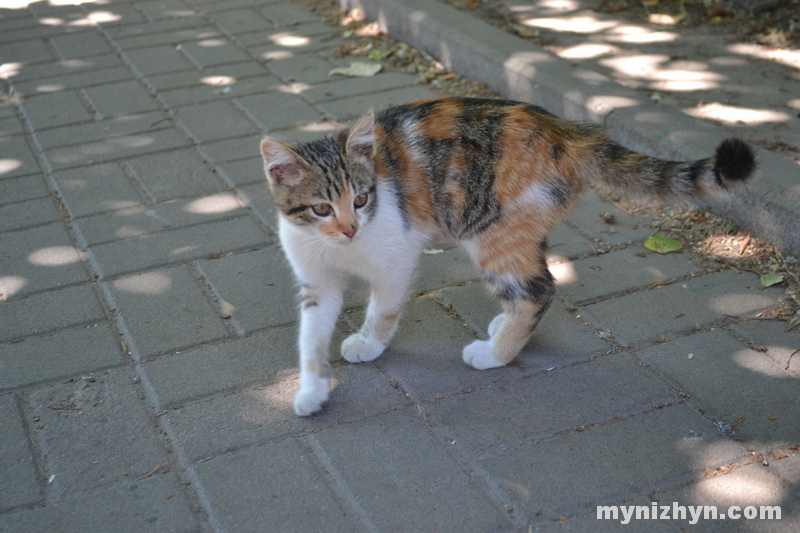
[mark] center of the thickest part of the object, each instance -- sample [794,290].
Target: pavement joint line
[130,172]
[127,343]
[230,323]
[340,485]
[501,498]
[197,487]
[33,450]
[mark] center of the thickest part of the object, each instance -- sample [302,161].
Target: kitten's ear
[361,141]
[282,164]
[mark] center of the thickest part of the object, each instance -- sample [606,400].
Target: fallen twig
[153,471]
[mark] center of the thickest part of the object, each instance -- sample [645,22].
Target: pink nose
[351,232]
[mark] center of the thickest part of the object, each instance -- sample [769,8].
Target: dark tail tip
[735,161]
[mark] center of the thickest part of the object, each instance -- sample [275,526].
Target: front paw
[356,349]
[310,398]
[479,355]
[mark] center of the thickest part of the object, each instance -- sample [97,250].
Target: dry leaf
[779,454]
[226,309]
[358,70]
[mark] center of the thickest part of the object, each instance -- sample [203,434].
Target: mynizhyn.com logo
[693,513]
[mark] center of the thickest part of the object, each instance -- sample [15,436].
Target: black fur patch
[539,289]
[735,161]
[695,170]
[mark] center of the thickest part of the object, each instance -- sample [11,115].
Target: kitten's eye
[360,201]
[322,210]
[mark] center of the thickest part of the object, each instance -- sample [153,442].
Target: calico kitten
[494,176]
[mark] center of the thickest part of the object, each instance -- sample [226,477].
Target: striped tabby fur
[494,176]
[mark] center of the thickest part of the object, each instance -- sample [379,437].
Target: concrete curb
[520,70]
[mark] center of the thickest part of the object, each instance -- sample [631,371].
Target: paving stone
[156,504]
[94,430]
[17,160]
[580,469]
[212,6]
[165,311]
[140,221]
[670,310]
[271,480]
[38,259]
[305,68]
[288,42]
[356,106]
[64,353]
[76,80]
[626,228]
[400,465]
[342,87]
[28,214]
[118,147]
[260,200]
[20,484]
[244,171]
[80,45]
[10,126]
[565,242]
[727,380]
[499,416]
[28,51]
[198,29]
[750,485]
[266,413]
[781,345]
[451,267]
[788,468]
[212,52]
[425,353]
[597,277]
[121,98]
[558,340]
[279,110]
[158,60]
[93,189]
[160,29]
[104,130]
[214,78]
[288,14]
[21,189]
[237,21]
[68,67]
[259,284]
[56,109]
[226,150]
[267,356]
[166,9]
[220,89]
[109,15]
[179,246]
[214,121]
[49,311]
[158,172]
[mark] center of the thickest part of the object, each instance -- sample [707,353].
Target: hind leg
[524,301]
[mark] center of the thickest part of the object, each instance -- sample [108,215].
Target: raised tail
[629,174]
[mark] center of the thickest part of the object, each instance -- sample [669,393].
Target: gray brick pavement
[132,201]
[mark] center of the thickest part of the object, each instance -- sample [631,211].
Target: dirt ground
[735,63]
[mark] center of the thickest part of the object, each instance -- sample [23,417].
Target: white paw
[358,350]
[496,324]
[479,355]
[309,398]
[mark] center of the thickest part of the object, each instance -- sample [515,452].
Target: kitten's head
[327,184]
